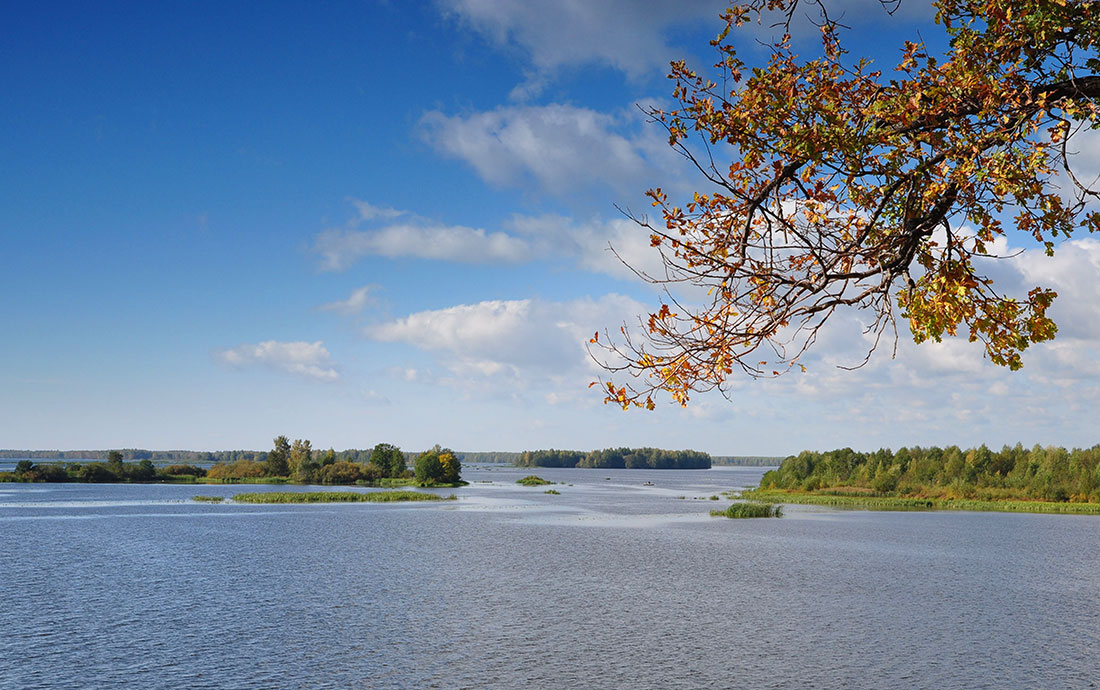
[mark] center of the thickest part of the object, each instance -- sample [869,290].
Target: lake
[610,584]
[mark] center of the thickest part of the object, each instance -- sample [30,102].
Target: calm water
[611,584]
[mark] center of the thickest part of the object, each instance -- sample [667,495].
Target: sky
[365,222]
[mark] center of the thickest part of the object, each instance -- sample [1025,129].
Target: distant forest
[747,460]
[198,457]
[1037,473]
[617,458]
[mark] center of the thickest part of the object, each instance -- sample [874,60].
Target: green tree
[429,468]
[452,468]
[301,465]
[389,459]
[278,460]
[833,184]
[114,461]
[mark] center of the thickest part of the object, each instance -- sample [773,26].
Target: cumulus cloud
[561,148]
[634,37]
[416,237]
[356,301]
[627,35]
[511,342]
[596,245]
[311,360]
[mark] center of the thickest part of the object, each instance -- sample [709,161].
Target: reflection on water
[612,583]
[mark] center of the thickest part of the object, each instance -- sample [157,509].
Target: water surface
[610,584]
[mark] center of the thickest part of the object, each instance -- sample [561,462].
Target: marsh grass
[240,480]
[533,480]
[208,499]
[339,497]
[552,491]
[749,510]
[902,503]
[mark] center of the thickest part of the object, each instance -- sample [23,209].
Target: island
[617,458]
[288,462]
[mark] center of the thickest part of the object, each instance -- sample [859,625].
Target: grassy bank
[871,502]
[749,510]
[338,497]
[533,480]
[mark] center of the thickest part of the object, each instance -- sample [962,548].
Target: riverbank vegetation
[114,470]
[1038,479]
[749,510]
[385,466]
[617,458]
[533,480]
[338,497]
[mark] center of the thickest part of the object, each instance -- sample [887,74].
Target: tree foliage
[617,458]
[1051,474]
[277,463]
[389,458]
[833,185]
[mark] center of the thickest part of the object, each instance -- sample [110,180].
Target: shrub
[240,469]
[749,510]
[429,468]
[533,480]
[341,472]
[178,470]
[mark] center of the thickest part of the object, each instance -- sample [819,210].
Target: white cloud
[368,211]
[522,239]
[634,36]
[374,398]
[562,148]
[627,35]
[511,343]
[304,359]
[356,301]
[340,248]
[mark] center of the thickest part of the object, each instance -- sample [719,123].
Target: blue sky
[374,221]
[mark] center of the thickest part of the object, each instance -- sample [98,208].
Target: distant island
[202,458]
[297,462]
[1038,479]
[617,458]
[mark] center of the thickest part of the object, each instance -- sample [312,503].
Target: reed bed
[338,497]
[905,503]
[749,510]
[533,480]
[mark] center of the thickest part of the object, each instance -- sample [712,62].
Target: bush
[429,469]
[240,469]
[533,480]
[341,472]
[178,470]
[96,472]
[749,510]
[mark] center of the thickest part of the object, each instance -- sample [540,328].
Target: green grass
[208,499]
[533,480]
[902,503]
[552,491]
[338,497]
[749,510]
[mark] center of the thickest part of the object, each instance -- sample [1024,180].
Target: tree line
[295,461]
[113,470]
[617,458]
[1048,474]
